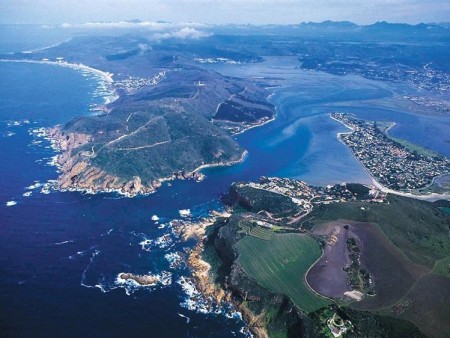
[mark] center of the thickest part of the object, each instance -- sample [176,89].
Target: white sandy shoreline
[223,164]
[430,197]
[106,77]
[255,126]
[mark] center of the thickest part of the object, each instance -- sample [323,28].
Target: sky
[225,11]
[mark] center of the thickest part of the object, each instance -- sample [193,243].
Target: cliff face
[266,313]
[78,173]
[258,200]
[234,198]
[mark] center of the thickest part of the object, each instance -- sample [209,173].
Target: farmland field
[429,309]
[417,228]
[393,274]
[328,276]
[280,264]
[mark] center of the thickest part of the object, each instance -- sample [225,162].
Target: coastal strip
[257,125]
[77,174]
[433,196]
[205,295]
[222,164]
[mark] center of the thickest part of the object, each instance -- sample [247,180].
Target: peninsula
[393,163]
[172,117]
[307,261]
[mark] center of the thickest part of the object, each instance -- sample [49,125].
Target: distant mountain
[443,24]
[380,25]
[328,24]
[383,25]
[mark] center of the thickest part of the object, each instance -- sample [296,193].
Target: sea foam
[185,212]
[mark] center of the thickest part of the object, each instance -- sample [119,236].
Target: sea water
[61,253]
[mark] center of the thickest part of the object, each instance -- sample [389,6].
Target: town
[132,84]
[390,163]
[438,105]
[306,197]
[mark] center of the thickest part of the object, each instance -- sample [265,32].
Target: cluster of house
[390,163]
[132,83]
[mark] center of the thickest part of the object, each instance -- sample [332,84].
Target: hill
[172,117]
[370,260]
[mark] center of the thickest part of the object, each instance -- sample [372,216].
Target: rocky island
[140,279]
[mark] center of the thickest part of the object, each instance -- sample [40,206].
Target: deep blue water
[54,248]
[60,253]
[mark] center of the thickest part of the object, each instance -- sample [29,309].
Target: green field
[280,264]
[256,230]
[261,233]
[413,147]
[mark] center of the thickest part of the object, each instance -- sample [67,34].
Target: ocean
[61,253]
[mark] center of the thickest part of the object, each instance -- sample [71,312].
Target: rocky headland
[76,172]
[171,117]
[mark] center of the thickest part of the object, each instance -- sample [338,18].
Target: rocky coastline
[77,173]
[201,269]
[203,278]
[235,287]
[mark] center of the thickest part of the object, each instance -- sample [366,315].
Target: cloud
[150,25]
[143,47]
[162,30]
[183,33]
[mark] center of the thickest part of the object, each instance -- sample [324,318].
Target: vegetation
[426,305]
[261,233]
[256,200]
[401,241]
[142,141]
[359,277]
[417,228]
[446,209]
[237,112]
[364,324]
[280,264]
[412,147]
[442,267]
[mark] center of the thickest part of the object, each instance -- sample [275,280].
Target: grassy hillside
[419,229]
[404,245]
[280,265]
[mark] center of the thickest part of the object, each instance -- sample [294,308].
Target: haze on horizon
[222,12]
